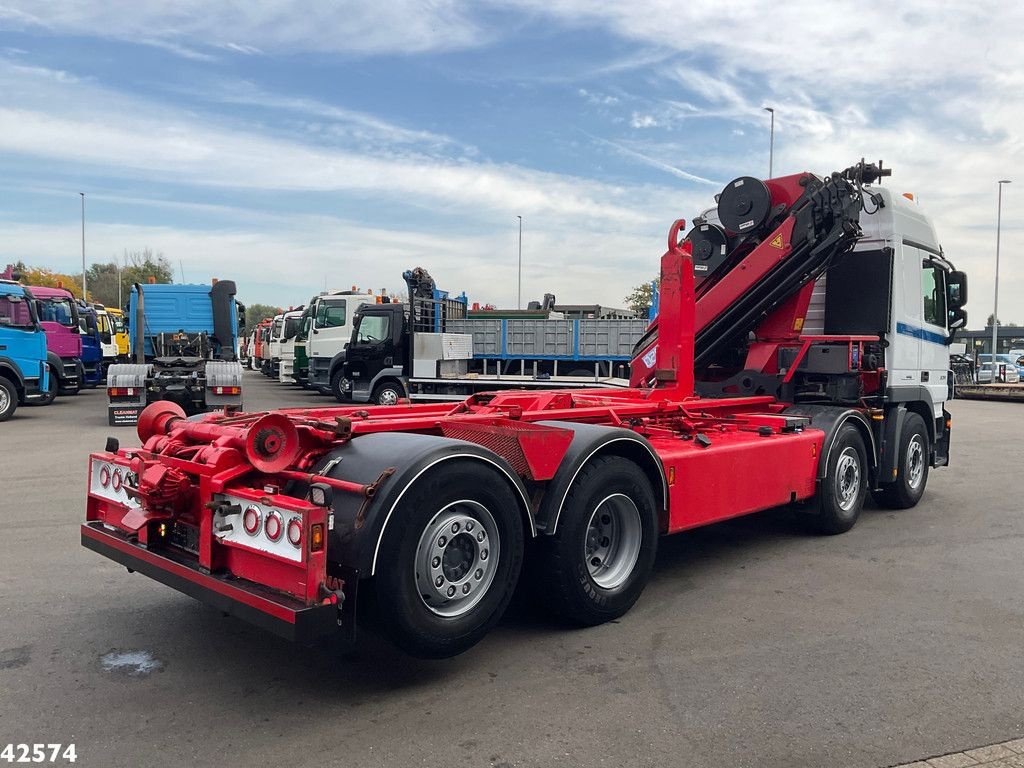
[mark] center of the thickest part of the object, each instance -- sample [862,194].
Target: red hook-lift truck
[799,358]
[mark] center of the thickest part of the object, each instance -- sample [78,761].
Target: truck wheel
[388,393]
[596,564]
[449,560]
[8,399]
[338,385]
[911,467]
[841,493]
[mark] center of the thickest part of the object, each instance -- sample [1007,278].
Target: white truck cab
[329,334]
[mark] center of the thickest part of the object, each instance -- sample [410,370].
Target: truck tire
[911,467]
[449,560]
[840,496]
[8,399]
[388,393]
[596,564]
[337,385]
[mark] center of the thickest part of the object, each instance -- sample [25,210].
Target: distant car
[1019,362]
[1010,366]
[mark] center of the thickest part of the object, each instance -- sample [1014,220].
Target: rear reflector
[295,531]
[251,520]
[316,537]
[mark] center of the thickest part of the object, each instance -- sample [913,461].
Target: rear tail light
[105,476]
[251,520]
[274,526]
[121,391]
[227,390]
[116,481]
[295,531]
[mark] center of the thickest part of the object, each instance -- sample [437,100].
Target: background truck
[289,334]
[58,315]
[92,345]
[108,336]
[761,385]
[24,371]
[256,344]
[433,348]
[119,329]
[184,341]
[328,335]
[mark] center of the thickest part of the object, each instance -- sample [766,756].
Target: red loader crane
[797,359]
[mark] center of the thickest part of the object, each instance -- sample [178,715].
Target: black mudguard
[588,442]
[393,460]
[829,418]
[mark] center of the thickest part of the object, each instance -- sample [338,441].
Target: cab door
[935,334]
[331,328]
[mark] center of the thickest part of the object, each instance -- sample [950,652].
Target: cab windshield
[15,312]
[117,323]
[57,310]
[292,326]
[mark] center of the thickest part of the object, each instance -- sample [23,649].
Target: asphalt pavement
[755,644]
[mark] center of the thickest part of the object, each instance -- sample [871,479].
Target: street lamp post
[82,194]
[771,142]
[995,299]
[519,296]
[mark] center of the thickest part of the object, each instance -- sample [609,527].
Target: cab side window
[330,314]
[933,289]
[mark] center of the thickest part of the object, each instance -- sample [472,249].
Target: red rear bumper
[246,600]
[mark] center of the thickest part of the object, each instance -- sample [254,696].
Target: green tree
[641,297]
[257,313]
[136,266]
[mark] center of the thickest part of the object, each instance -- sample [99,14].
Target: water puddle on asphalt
[131,663]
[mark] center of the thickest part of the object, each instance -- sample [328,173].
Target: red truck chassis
[277,517]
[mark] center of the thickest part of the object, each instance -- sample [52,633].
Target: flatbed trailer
[283,518]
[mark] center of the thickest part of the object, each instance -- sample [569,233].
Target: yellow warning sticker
[798,324]
[776,242]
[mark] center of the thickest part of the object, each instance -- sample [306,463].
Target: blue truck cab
[24,373]
[184,349]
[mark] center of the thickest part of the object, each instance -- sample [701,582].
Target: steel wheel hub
[456,558]
[5,401]
[388,397]
[612,544]
[848,478]
[915,462]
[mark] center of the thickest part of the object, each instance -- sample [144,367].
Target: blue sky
[290,146]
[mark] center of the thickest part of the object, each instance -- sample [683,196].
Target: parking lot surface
[754,645]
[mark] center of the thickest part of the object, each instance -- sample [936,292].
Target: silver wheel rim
[915,462]
[456,558]
[388,397]
[5,400]
[848,478]
[612,544]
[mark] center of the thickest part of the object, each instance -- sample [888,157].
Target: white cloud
[338,26]
[642,121]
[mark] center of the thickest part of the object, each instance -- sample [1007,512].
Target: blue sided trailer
[184,346]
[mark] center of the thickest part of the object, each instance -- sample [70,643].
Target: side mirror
[957,320]
[956,290]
